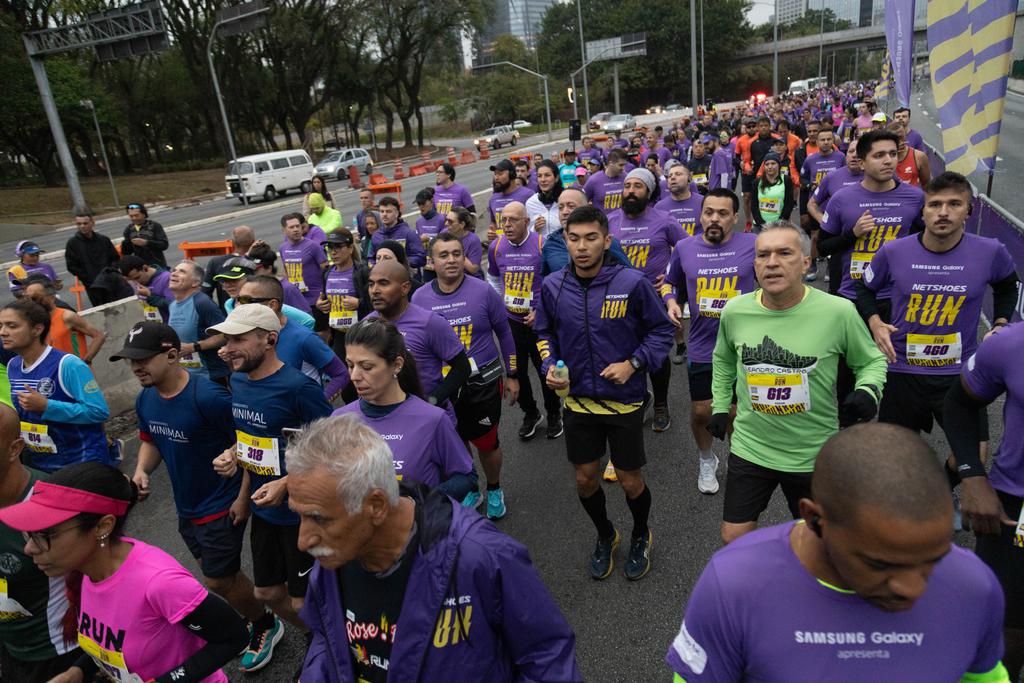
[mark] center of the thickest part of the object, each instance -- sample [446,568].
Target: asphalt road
[1010,160]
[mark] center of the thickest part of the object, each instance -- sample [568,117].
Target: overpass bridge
[863,37]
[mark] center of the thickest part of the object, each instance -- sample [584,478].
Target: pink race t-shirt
[129,621]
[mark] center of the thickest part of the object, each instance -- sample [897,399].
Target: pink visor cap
[51,504]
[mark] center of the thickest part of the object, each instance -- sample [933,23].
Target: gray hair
[783,224]
[196,270]
[352,452]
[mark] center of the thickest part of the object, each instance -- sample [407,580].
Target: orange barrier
[520,157]
[599,138]
[467,157]
[386,188]
[378,179]
[418,169]
[194,250]
[353,178]
[78,290]
[399,171]
[485,153]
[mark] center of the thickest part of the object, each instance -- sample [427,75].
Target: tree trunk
[419,125]
[406,119]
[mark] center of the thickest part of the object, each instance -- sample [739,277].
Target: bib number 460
[936,350]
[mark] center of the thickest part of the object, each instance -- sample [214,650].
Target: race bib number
[934,350]
[710,302]
[518,301]
[784,394]
[37,438]
[859,261]
[259,454]
[190,361]
[110,662]
[769,205]
[341,318]
[700,178]
[151,313]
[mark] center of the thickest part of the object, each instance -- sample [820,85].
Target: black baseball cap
[236,268]
[339,238]
[147,339]
[503,165]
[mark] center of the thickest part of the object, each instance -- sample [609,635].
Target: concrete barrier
[119,385]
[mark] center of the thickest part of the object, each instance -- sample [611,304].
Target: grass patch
[52,205]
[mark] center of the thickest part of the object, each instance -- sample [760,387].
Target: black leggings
[660,379]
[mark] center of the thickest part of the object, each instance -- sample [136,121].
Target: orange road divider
[194,250]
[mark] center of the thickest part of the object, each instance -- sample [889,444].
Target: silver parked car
[496,137]
[599,119]
[621,123]
[337,162]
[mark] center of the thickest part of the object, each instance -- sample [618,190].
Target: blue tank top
[49,445]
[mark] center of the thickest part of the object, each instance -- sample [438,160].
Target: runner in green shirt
[780,346]
[31,605]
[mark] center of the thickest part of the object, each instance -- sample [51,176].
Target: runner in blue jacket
[606,323]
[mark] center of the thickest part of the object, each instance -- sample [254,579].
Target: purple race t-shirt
[713,275]
[996,368]
[818,165]
[473,250]
[896,213]
[757,615]
[340,284]
[936,298]
[833,182]
[429,227]
[476,314]
[302,267]
[430,341]
[447,199]
[647,239]
[685,211]
[518,267]
[605,192]
[499,201]
[424,445]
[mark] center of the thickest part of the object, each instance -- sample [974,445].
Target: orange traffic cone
[399,171]
[485,152]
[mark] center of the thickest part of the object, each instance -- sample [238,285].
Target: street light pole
[547,99]
[583,59]
[703,93]
[693,56]
[103,149]
[821,41]
[223,111]
[775,52]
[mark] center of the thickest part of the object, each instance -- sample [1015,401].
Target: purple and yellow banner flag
[899,38]
[970,46]
[884,88]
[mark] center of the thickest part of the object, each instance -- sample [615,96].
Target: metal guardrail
[989,219]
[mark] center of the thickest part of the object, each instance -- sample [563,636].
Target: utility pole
[821,42]
[693,55]
[583,59]
[775,52]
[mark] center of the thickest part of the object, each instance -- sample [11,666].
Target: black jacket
[153,252]
[86,257]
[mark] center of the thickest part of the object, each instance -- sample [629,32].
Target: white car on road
[621,123]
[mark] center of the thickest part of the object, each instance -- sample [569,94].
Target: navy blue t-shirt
[190,430]
[303,350]
[261,409]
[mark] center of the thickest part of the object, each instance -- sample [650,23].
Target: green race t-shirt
[31,604]
[784,364]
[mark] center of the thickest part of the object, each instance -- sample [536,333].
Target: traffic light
[575,130]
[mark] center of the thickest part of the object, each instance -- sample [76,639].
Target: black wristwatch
[197,346]
[635,362]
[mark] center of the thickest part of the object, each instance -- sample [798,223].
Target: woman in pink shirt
[137,614]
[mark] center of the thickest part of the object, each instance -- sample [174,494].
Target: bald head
[242,237]
[390,270]
[514,221]
[886,468]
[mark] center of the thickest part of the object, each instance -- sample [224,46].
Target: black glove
[718,425]
[859,406]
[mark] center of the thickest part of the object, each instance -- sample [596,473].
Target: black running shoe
[602,562]
[639,561]
[555,428]
[679,355]
[529,427]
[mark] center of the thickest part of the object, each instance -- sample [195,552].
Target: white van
[270,174]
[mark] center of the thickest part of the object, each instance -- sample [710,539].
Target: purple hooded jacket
[618,316]
[515,630]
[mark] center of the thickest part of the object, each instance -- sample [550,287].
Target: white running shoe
[707,482]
